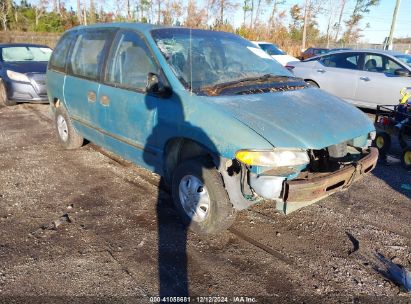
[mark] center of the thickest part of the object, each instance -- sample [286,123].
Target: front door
[337,74]
[124,112]
[378,83]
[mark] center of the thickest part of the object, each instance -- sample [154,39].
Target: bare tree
[222,7]
[3,14]
[172,11]
[273,13]
[311,9]
[246,8]
[331,16]
[79,12]
[352,33]
[195,16]
[257,12]
[40,10]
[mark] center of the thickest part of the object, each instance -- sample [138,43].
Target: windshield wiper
[219,87]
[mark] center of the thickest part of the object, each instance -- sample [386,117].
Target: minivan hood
[308,118]
[26,66]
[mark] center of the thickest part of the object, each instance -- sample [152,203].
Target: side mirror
[402,73]
[155,86]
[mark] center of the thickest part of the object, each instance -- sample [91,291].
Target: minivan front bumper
[302,192]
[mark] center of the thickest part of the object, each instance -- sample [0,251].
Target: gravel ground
[79,226]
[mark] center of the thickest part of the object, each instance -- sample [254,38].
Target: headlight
[273,158]
[17,76]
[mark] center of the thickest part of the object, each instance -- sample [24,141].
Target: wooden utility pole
[79,12]
[394,20]
[339,20]
[306,12]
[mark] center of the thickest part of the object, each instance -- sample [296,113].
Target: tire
[312,83]
[3,95]
[200,175]
[406,159]
[68,137]
[382,142]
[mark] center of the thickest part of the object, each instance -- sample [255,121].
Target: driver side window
[380,64]
[130,62]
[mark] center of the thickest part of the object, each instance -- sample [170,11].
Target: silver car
[365,78]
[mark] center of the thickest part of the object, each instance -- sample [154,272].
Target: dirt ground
[81,226]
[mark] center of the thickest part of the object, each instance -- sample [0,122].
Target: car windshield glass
[26,53]
[271,49]
[405,59]
[320,51]
[216,57]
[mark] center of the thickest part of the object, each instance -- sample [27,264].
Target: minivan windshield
[25,53]
[202,59]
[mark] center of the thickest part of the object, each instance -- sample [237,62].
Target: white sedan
[365,78]
[275,52]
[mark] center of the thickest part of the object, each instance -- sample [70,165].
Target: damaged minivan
[220,121]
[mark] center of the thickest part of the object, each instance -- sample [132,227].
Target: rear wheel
[406,159]
[382,142]
[3,95]
[200,197]
[66,134]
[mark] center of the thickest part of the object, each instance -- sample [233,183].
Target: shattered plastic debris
[396,273]
[56,223]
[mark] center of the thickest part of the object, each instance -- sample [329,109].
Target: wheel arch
[179,149]
[310,80]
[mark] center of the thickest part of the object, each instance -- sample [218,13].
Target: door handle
[365,78]
[91,96]
[104,100]
[321,71]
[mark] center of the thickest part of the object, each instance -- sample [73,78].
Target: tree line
[261,19]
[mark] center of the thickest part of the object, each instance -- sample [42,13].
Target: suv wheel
[200,197]
[66,134]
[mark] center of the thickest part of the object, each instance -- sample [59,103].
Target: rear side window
[343,61]
[59,56]
[88,53]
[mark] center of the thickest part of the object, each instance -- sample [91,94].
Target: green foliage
[51,22]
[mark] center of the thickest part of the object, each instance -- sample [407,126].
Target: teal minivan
[224,124]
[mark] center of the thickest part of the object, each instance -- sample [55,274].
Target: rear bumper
[316,188]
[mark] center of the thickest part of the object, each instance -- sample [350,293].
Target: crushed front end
[326,171]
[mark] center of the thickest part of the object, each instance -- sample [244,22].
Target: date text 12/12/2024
[206,299]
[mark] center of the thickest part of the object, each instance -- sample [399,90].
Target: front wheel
[200,197]
[66,134]
[3,95]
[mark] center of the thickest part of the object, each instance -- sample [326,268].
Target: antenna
[191,65]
